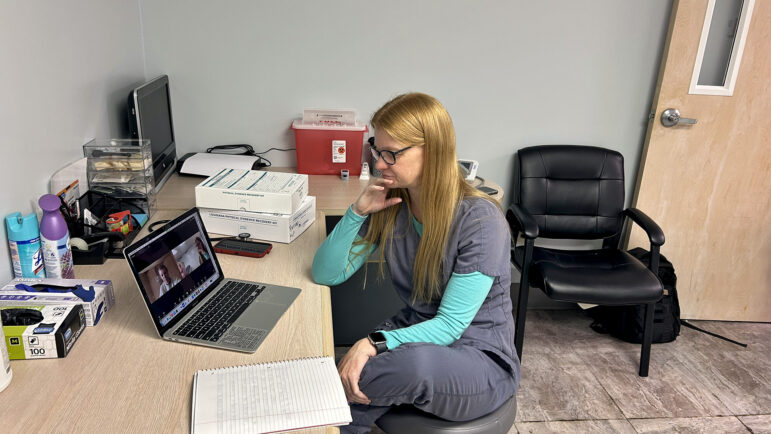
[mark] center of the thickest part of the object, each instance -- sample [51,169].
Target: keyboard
[216,315]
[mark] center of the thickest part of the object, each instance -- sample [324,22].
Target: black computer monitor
[149,112]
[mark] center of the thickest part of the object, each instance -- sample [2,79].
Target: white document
[269,397]
[208,164]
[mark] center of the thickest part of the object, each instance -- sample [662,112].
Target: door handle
[671,117]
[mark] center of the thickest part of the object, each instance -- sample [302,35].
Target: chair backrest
[571,191]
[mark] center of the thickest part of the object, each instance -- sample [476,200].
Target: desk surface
[120,376]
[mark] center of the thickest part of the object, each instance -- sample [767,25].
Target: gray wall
[511,73]
[67,68]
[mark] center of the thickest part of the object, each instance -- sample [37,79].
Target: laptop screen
[174,268]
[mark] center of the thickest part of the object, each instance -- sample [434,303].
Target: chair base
[406,419]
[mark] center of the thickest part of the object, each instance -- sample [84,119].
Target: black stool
[406,419]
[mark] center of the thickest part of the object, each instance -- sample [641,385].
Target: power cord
[245,149]
[243,236]
[154,225]
[275,149]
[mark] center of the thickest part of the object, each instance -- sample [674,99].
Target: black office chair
[577,192]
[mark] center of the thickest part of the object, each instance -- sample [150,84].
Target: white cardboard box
[282,228]
[104,298]
[252,190]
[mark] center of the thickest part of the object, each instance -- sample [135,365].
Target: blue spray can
[24,241]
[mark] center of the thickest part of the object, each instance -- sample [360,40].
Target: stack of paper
[269,397]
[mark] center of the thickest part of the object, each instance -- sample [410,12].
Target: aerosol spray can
[24,241]
[57,253]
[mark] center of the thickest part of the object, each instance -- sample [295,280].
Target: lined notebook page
[269,397]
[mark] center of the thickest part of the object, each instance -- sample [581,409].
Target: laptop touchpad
[260,315]
[279,295]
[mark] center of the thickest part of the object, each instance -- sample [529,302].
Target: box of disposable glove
[41,332]
[96,296]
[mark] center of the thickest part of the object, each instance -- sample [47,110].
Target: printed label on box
[338,151]
[282,228]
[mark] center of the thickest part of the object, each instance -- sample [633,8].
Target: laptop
[188,297]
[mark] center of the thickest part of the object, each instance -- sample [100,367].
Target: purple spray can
[57,253]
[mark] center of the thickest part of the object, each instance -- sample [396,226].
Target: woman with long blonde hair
[450,350]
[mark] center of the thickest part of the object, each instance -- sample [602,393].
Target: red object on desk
[243,248]
[316,152]
[120,222]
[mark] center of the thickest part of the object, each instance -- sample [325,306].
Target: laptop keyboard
[245,337]
[220,312]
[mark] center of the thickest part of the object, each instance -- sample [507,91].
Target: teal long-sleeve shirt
[338,259]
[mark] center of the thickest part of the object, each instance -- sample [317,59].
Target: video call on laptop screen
[174,268]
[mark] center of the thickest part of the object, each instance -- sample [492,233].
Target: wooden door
[708,185]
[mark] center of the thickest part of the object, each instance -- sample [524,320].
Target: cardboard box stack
[270,206]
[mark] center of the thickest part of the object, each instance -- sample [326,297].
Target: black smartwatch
[378,340]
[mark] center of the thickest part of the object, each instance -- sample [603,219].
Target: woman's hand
[373,198]
[350,369]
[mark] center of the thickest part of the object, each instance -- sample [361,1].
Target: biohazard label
[338,151]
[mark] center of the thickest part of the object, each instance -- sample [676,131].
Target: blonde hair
[417,119]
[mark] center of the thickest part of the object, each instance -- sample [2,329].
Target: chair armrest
[655,234]
[521,221]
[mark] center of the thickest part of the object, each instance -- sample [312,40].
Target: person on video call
[450,350]
[167,281]
[183,270]
[203,255]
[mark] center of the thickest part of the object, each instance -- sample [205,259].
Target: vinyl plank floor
[560,331]
[561,387]
[620,426]
[740,379]
[756,335]
[758,424]
[668,391]
[695,425]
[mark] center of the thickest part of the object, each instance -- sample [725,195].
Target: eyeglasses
[389,157]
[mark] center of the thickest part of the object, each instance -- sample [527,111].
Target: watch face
[377,337]
[378,340]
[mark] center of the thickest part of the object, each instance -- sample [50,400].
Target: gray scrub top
[479,241]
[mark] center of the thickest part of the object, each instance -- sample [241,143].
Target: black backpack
[626,322]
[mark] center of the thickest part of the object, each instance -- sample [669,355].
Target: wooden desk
[120,376]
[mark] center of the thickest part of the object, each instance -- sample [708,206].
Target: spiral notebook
[269,397]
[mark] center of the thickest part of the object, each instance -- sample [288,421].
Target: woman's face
[405,173]
[163,274]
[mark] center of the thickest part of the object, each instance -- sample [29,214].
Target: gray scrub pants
[457,382]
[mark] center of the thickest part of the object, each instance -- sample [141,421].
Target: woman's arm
[462,299]
[337,258]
